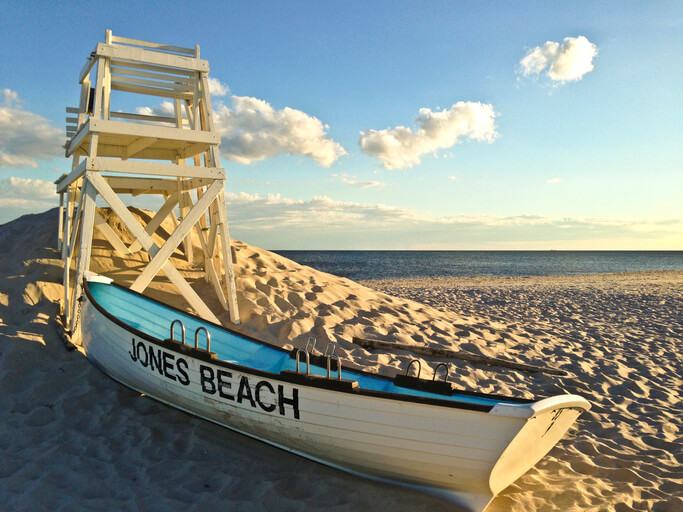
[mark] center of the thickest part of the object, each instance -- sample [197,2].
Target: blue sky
[514,136]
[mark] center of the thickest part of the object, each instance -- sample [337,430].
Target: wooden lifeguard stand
[117,153]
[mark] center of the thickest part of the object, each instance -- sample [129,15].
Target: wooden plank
[142,117]
[150,91]
[132,183]
[99,89]
[176,238]
[450,354]
[173,86]
[211,269]
[87,223]
[60,227]
[155,152]
[148,244]
[183,206]
[192,150]
[177,109]
[227,259]
[72,110]
[92,147]
[138,145]
[149,67]
[207,111]
[106,93]
[156,221]
[159,132]
[108,233]
[83,132]
[67,220]
[85,71]
[155,168]
[185,80]
[65,244]
[190,114]
[151,57]
[155,46]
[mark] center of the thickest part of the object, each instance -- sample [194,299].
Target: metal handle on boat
[329,365]
[182,329]
[333,345]
[308,360]
[310,343]
[208,338]
[419,367]
[436,370]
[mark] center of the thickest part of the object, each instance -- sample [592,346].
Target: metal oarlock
[308,360]
[329,354]
[419,367]
[436,370]
[329,365]
[208,338]
[182,330]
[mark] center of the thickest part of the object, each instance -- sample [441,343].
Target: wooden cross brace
[161,255]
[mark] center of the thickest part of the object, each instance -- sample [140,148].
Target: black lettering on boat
[154,360]
[282,400]
[259,387]
[132,354]
[182,366]
[144,351]
[245,391]
[224,384]
[168,365]
[206,377]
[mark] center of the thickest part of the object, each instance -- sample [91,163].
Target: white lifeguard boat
[463,446]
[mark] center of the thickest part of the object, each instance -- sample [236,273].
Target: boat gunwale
[308,381]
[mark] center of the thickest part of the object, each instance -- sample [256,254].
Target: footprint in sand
[295,299]
[263,287]
[40,416]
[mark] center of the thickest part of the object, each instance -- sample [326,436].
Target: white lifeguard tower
[117,153]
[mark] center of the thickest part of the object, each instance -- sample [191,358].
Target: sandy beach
[71,438]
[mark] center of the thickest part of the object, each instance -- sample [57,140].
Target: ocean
[360,265]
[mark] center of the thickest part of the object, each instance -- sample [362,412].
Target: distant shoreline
[639,275]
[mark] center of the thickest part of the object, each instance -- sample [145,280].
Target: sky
[391,125]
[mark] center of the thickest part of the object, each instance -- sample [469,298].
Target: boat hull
[449,451]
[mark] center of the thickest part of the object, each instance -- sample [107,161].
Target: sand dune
[72,438]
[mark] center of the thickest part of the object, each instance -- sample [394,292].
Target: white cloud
[166,109]
[565,62]
[9,97]
[453,178]
[25,137]
[401,147]
[252,130]
[353,181]
[278,222]
[553,181]
[217,88]
[26,191]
